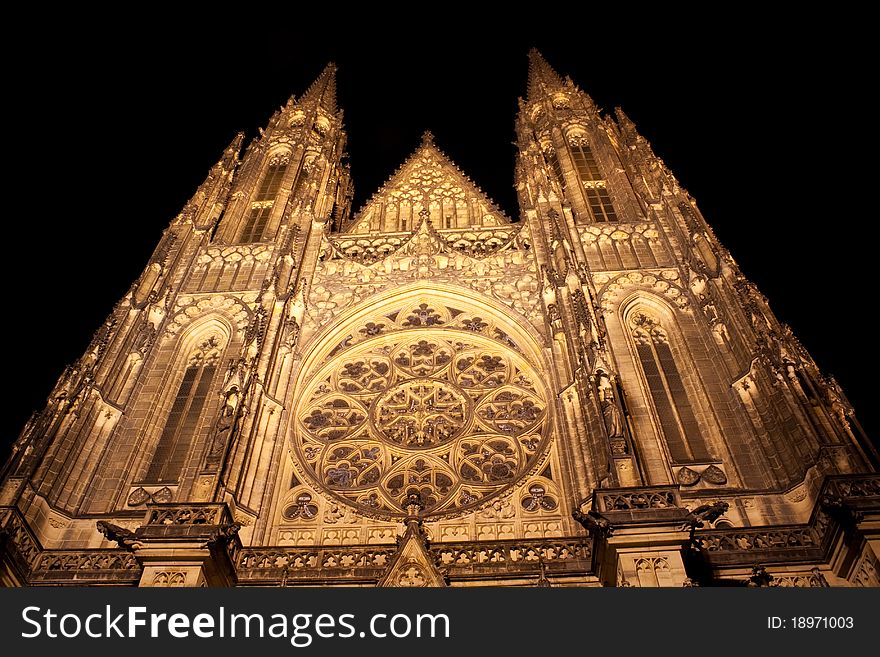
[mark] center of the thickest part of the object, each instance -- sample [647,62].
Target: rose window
[454,417]
[421,413]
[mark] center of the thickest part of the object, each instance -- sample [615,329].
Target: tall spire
[323,90]
[542,77]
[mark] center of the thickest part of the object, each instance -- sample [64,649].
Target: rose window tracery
[457,418]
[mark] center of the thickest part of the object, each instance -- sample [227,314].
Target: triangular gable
[427,180]
[412,565]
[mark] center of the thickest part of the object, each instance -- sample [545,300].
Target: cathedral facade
[428,392]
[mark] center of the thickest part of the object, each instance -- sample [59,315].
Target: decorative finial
[543,582]
[414,504]
[427,138]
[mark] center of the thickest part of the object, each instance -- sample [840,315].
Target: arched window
[183,420]
[591,178]
[264,200]
[256,222]
[272,179]
[662,376]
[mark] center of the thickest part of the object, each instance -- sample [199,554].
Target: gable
[428,185]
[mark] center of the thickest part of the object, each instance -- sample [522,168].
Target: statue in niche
[610,411]
[834,396]
[223,428]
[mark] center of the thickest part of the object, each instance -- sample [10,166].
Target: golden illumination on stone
[428,391]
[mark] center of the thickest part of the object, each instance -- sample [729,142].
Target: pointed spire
[626,124]
[427,138]
[542,77]
[323,90]
[231,154]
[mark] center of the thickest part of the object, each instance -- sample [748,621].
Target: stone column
[642,533]
[187,545]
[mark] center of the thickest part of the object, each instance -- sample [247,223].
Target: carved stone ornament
[453,416]
[120,535]
[428,179]
[138,496]
[714,475]
[163,495]
[687,477]
[413,564]
[619,446]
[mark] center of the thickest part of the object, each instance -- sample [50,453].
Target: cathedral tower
[590,393]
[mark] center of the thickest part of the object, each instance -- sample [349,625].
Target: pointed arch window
[255,226]
[594,184]
[272,179]
[183,419]
[663,378]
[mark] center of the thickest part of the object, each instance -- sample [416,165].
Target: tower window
[584,162]
[182,423]
[272,180]
[592,180]
[600,203]
[674,410]
[255,225]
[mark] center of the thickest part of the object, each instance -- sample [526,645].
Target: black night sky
[110,135]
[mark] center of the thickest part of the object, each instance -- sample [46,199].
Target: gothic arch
[433,391]
[208,337]
[191,310]
[618,290]
[517,327]
[670,383]
[280,150]
[575,131]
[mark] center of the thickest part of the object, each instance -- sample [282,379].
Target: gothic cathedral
[428,392]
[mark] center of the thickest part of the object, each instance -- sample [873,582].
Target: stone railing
[116,567]
[39,566]
[18,540]
[855,489]
[187,514]
[278,565]
[366,564]
[641,499]
[813,580]
[841,499]
[515,556]
[802,542]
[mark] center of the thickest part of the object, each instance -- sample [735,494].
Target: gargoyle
[835,507]
[123,537]
[223,534]
[593,520]
[708,513]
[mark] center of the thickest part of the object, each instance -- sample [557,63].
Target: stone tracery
[443,412]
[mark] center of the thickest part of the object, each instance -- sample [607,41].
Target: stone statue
[223,534]
[123,537]
[610,411]
[223,427]
[708,513]
[499,510]
[760,577]
[834,396]
[593,520]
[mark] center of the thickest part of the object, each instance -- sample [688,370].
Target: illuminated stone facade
[428,392]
